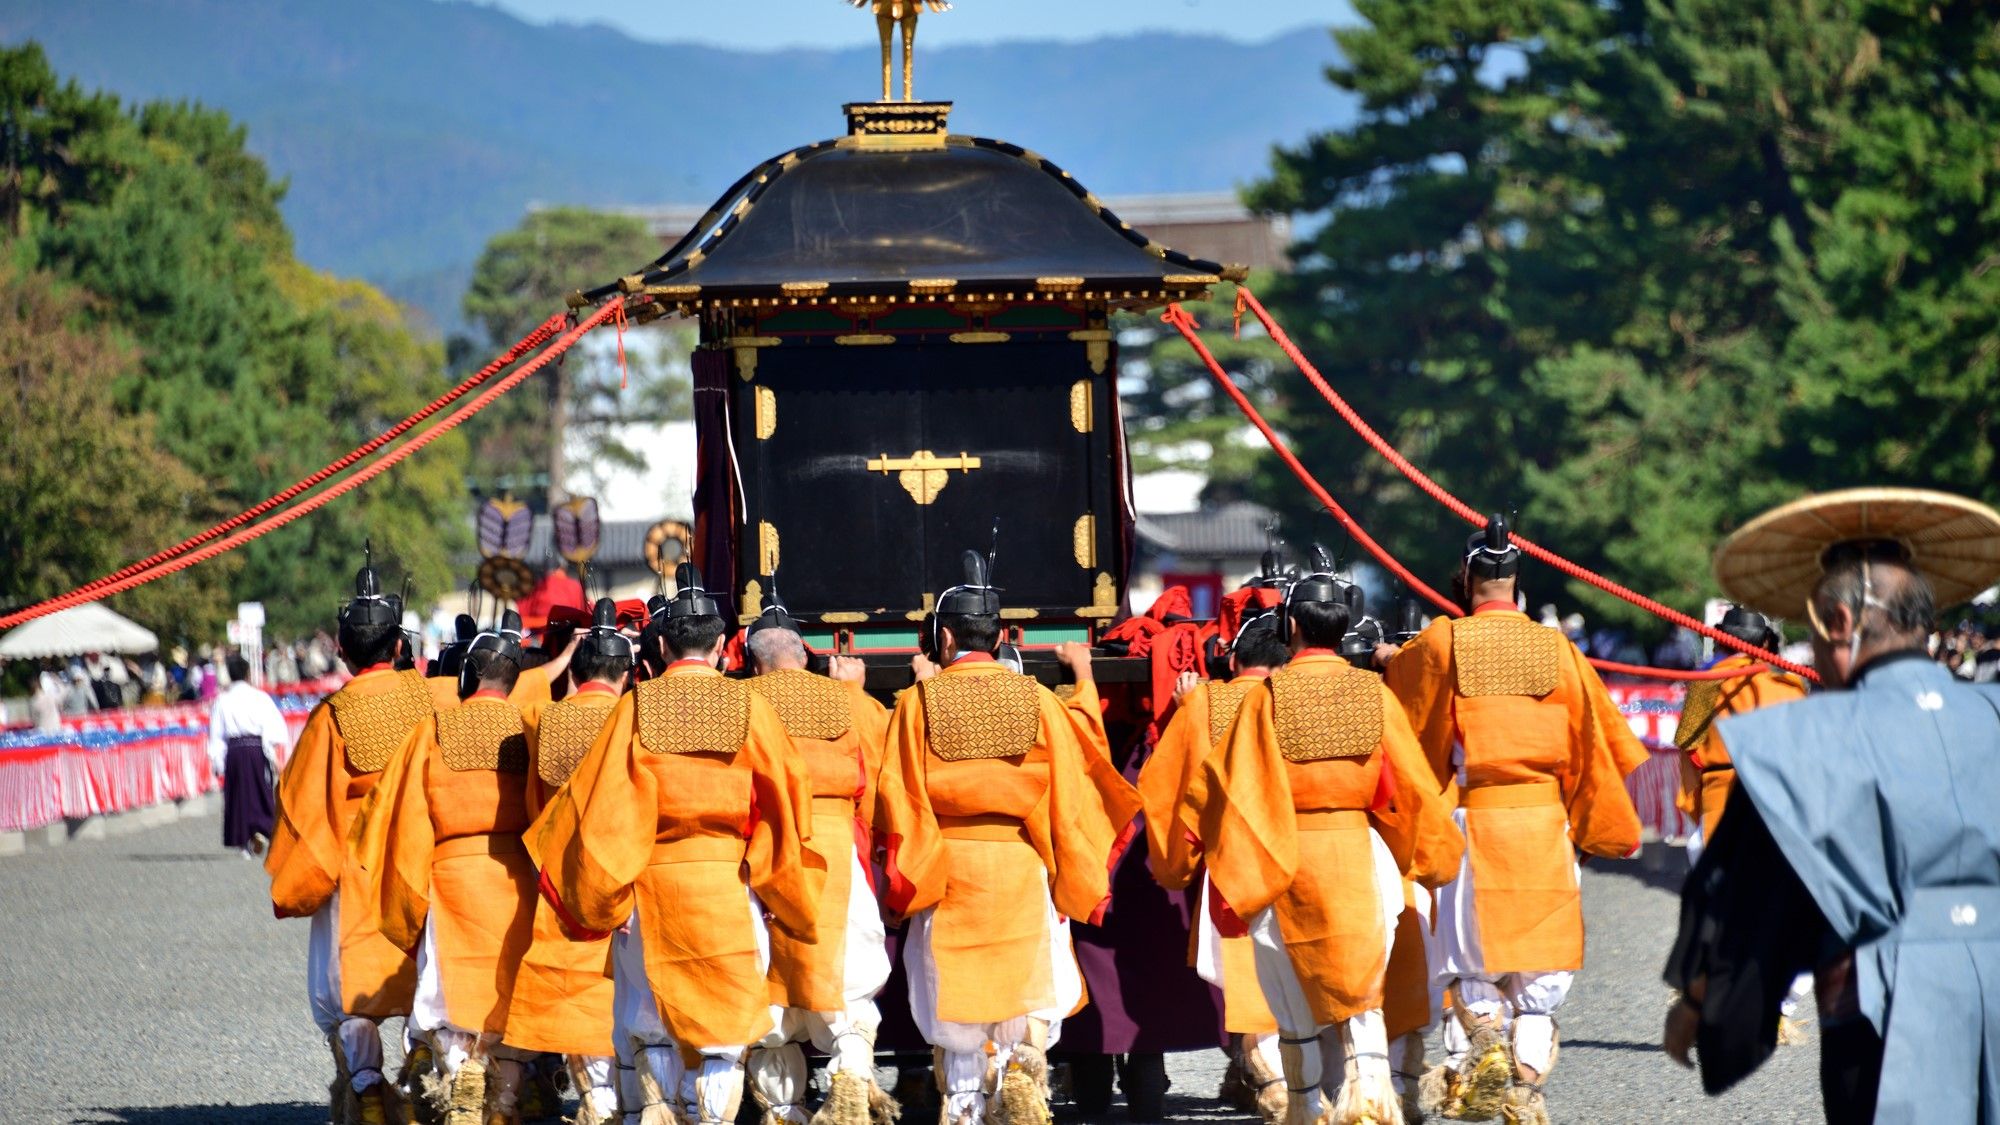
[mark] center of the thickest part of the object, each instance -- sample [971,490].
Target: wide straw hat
[1772,563]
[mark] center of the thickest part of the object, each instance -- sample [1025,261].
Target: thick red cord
[1466,512]
[1181,320]
[526,344]
[387,461]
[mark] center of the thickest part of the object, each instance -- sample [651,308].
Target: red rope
[1181,320]
[185,560]
[526,344]
[1465,511]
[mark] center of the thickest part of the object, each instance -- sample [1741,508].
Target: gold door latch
[923,474]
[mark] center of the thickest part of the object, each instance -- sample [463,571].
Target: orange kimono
[1319,761]
[838,731]
[346,742]
[1197,729]
[440,846]
[990,806]
[562,995]
[1706,773]
[691,798]
[1521,735]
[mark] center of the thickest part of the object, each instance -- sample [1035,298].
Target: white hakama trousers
[360,1037]
[965,1066]
[650,1070]
[1523,1003]
[777,1064]
[1345,1063]
[1208,966]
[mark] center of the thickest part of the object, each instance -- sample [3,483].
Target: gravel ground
[144,981]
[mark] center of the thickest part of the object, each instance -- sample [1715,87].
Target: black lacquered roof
[966,216]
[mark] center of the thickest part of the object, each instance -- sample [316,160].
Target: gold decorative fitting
[483,736]
[896,125]
[746,353]
[1097,349]
[564,734]
[576,299]
[1019,613]
[1326,716]
[1190,279]
[843,617]
[1234,272]
[1083,540]
[695,259]
[979,337]
[922,474]
[809,706]
[864,339]
[1058,284]
[803,288]
[673,292]
[933,284]
[996,715]
[767,413]
[1496,655]
[374,725]
[767,549]
[693,714]
[930,603]
[742,207]
[631,283]
[1079,406]
[1224,699]
[1103,599]
[753,602]
[1156,250]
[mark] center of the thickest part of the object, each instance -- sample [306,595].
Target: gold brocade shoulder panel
[565,734]
[483,737]
[1697,711]
[810,706]
[991,716]
[1224,700]
[1322,717]
[1505,656]
[375,725]
[693,715]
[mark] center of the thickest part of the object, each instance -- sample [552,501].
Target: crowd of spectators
[1972,651]
[102,681]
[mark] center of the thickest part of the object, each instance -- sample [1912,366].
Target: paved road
[143,980]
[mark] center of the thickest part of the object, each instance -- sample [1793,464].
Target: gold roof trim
[933,284]
[804,288]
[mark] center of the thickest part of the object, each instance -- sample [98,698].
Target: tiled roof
[1236,529]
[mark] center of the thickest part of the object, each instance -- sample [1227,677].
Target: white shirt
[243,709]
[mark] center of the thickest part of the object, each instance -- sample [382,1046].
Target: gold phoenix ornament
[889,14]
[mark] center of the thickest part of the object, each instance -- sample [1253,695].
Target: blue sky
[753,24]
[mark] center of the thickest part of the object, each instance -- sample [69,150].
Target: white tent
[72,632]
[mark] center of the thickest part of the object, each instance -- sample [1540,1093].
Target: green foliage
[523,276]
[1642,268]
[242,366]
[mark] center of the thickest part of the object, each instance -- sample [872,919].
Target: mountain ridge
[411,131]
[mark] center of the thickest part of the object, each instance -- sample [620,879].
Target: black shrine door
[867,471]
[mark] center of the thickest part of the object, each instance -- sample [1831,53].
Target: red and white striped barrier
[118,761]
[1654,710]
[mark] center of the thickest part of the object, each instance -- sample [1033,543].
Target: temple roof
[956,218]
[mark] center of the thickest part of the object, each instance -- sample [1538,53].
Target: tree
[524,275]
[85,486]
[249,370]
[1641,269]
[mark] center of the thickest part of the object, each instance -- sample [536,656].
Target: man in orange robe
[1707,775]
[440,848]
[563,994]
[355,977]
[683,826]
[1526,742]
[1317,806]
[825,991]
[992,820]
[1202,716]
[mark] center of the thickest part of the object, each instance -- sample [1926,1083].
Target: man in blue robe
[1862,842]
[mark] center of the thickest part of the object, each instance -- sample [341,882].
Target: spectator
[247,739]
[78,698]
[46,704]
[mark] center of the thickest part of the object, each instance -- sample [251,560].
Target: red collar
[385,666]
[972,658]
[597,687]
[487,693]
[1496,607]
